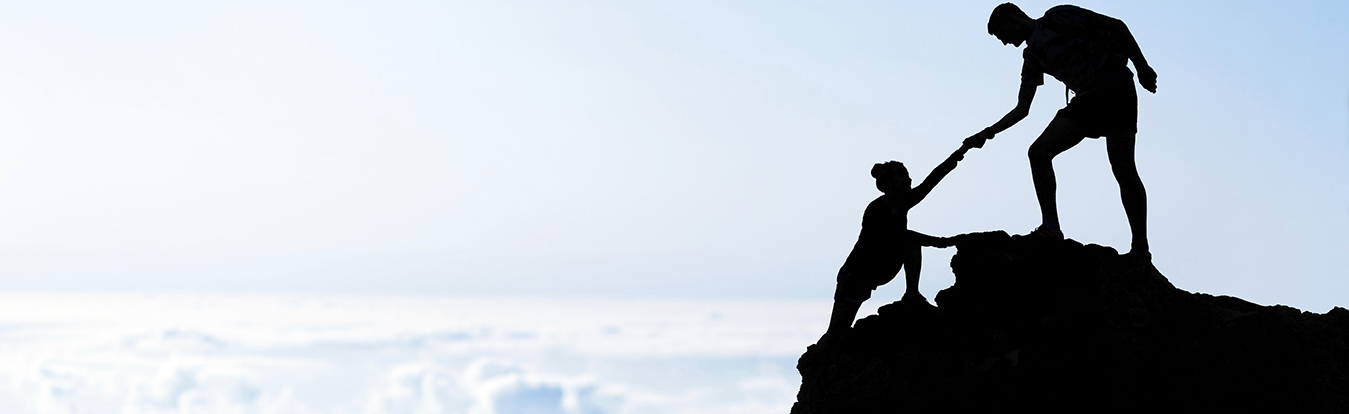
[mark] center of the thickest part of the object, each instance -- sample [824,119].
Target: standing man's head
[891,176]
[1010,25]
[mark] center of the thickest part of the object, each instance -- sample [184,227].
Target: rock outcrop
[1056,326]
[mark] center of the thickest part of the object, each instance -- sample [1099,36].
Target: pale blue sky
[632,147]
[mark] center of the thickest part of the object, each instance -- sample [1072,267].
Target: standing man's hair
[1003,14]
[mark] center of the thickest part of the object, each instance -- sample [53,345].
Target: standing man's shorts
[1107,110]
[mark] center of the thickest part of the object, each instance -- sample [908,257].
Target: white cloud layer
[161,354]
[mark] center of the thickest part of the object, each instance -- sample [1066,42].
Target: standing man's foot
[1138,256]
[1045,233]
[913,296]
[1139,252]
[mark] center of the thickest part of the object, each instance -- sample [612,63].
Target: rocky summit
[1057,326]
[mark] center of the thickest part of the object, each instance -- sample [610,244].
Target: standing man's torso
[1069,44]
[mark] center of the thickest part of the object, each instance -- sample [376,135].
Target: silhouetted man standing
[1088,52]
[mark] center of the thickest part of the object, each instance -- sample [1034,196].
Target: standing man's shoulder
[1077,15]
[1073,19]
[1068,9]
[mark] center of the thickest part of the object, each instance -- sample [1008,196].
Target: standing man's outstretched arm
[1023,100]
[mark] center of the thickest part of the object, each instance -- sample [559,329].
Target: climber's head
[891,176]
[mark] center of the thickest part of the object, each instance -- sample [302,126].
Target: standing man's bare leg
[1059,136]
[1120,150]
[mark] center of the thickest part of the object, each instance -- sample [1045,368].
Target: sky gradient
[689,148]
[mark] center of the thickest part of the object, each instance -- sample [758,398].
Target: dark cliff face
[1061,327]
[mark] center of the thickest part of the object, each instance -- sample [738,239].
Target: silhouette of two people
[1086,51]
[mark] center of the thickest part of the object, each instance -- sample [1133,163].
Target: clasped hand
[978,140]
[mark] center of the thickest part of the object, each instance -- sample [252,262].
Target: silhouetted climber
[1088,52]
[886,244]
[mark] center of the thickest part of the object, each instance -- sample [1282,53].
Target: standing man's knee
[1126,173]
[1039,155]
[1120,151]
[1123,165]
[1059,136]
[1043,150]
